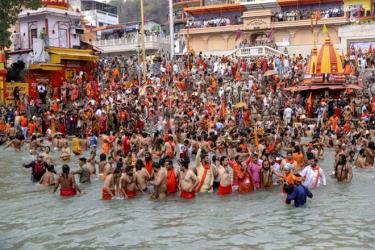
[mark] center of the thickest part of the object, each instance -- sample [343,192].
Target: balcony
[307,22]
[186,2]
[201,29]
[118,45]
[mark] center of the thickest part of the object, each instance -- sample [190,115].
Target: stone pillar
[292,35]
[3,75]
[225,37]
[205,40]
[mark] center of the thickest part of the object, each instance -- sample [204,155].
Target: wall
[356,32]
[365,3]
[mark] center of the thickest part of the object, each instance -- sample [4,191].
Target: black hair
[102,157]
[139,164]
[65,170]
[222,159]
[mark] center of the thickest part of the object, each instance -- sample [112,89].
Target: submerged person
[313,175]
[343,170]
[159,183]
[38,168]
[66,181]
[205,172]
[48,179]
[172,177]
[225,186]
[188,180]
[141,176]
[128,185]
[83,171]
[111,184]
[298,192]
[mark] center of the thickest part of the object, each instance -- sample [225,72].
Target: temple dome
[60,4]
[328,60]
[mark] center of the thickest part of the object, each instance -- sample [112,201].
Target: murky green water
[340,216]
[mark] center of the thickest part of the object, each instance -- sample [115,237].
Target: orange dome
[61,4]
[328,61]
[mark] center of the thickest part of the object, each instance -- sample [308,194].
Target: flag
[238,35]
[325,30]
[309,104]
[256,139]
[223,110]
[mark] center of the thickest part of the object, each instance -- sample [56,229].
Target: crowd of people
[197,124]
[213,22]
[307,14]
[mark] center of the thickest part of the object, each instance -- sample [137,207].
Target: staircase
[257,51]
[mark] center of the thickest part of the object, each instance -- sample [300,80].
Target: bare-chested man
[35,144]
[67,182]
[141,176]
[225,186]
[128,183]
[160,182]
[188,180]
[111,185]
[169,148]
[48,178]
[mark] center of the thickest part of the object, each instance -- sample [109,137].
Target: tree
[9,10]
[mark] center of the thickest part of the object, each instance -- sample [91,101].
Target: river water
[340,216]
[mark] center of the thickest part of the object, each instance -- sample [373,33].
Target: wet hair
[213,158]
[371,145]
[65,170]
[102,157]
[83,159]
[139,164]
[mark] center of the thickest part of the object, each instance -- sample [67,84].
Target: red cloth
[130,194]
[149,168]
[106,195]
[224,190]
[67,192]
[171,181]
[187,195]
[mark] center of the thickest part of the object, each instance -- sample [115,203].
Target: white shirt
[311,176]
[288,112]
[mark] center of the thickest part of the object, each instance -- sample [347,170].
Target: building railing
[130,41]
[257,51]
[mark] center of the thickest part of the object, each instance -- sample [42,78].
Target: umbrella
[271,73]
[240,105]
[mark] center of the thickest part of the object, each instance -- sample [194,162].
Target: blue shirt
[93,141]
[299,195]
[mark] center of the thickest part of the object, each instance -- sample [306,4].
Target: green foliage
[9,10]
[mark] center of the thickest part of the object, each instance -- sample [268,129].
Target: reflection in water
[339,216]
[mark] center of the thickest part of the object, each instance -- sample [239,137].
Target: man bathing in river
[67,183]
[160,182]
[141,176]
[188,180]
